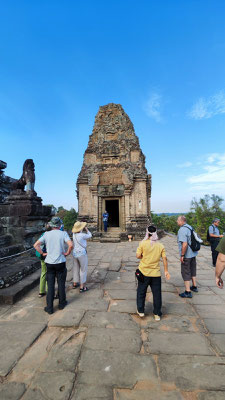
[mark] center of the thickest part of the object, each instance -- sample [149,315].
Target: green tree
[69,219]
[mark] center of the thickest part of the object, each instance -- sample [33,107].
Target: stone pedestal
[23,217]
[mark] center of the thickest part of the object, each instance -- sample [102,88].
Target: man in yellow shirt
[150,251]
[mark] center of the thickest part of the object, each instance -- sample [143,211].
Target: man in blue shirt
[215,236]
[187,257]
[105,220]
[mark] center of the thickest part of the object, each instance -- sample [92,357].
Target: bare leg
[194,280]
[187,286]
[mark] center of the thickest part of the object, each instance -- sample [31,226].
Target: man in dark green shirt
[220,263]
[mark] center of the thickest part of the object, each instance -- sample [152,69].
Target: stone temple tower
[113,176]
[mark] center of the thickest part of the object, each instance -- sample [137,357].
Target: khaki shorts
[188,268]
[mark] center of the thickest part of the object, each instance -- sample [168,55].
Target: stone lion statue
[28,177]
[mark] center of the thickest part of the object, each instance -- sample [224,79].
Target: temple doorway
[112,206]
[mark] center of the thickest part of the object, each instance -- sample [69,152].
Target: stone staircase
[111,236]
[7,245]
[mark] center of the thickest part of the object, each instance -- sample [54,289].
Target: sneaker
[141,314]
[62,306]
[187,295]
[194,289]
[157,317]
[48,311]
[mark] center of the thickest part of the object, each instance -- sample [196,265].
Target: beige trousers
[80,267]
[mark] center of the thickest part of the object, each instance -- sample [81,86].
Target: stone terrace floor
[98,348]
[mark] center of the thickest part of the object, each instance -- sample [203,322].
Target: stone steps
[10,250]
[110,240]
[12,294]
[16,269]
[6,240]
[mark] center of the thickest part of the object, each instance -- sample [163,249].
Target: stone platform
[98,348]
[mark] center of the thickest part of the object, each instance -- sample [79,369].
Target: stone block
[210,395]
[15,338]
[193,372]
[122,294]
[54,385]
[124,306]
[206,299]
[171,323]
[66,318]
[113,340]
[64,356]
[152,393]
[106,366]
[91,392]
[108,319]
[215,325]
[211,311]
[177,343]
[12,391]
[218,343]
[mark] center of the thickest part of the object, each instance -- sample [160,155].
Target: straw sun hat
[78,226]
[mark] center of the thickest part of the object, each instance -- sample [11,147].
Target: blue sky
[162,60]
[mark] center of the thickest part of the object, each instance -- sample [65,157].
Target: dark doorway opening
[112,207]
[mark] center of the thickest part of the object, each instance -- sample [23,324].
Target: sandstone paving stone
[215,325]
[124,306]
[204,291]
[84,302]
[205,299]
[173,323]
[166,287]
[34,394]
[55,385]
[66,318]
[206,282]
[193,372]
[91,392]
[178,309]
[168,297]
[210,395]
[122,294]
[218,291]
[12,390]
[3,309]
[177,343]
[109,319]
[218,342]
[114,266]
[106,366]
[119,285]
[15,338]
[211,310]
[63,356]
[112,276]
[28,314]
[94,291]
[153,393]
[98,275]
[127,277]
[29,364]
[113,339]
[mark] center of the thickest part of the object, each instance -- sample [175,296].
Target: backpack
[196,241]
[208,235]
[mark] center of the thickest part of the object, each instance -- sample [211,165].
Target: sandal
[75,286]
[85,289]
[41,295]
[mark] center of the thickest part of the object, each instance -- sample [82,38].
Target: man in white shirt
[55,261]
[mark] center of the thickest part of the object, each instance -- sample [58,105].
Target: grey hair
[183,218]
[216,220]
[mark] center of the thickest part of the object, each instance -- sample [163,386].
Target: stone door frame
[101,209]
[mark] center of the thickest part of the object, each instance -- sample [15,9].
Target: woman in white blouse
[80,264]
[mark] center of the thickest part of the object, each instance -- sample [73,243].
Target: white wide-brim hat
[78,226]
